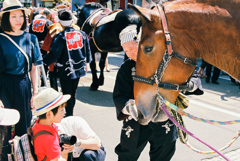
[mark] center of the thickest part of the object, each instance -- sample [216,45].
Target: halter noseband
[157,76]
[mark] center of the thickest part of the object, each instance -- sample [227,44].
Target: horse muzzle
[150,112]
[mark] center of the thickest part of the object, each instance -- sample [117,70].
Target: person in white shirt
[88,146]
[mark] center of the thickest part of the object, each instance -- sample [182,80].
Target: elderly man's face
[131,49]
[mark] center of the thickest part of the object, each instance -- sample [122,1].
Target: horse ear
[136,9]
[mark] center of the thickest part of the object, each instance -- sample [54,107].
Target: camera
[64,139]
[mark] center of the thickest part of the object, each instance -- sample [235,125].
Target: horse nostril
[141,115]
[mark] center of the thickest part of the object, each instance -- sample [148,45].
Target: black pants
[162,145]
[69,86]
[52,78]
[15,93]
[216,72]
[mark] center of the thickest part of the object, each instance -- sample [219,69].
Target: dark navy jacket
[39,27]
[72,51]
[123,91]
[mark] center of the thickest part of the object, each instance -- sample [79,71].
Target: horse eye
[147,49]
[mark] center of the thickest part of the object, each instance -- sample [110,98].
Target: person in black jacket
[39,26]
[134,136]
[72,51]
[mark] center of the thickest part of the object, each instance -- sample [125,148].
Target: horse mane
[232,6]
[223,8]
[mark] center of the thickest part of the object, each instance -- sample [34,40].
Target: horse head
[155,65]
[85,11]
[198,28]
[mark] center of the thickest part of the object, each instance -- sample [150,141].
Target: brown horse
[208,29]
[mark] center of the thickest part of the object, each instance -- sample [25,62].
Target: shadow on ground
[104,98]
[226,87]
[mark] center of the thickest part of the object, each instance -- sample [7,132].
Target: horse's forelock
[155,17]
[151,5]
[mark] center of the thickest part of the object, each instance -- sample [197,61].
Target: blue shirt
[12,60]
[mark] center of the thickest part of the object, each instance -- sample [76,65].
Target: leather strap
[42,132]
[90,16]
[45,158]
[18,48]
[165,30]
[186,60]
[166,86]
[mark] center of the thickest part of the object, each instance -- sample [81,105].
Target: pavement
[98,109]
[234,155]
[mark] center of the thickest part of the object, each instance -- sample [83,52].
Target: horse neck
[209,32]
[232,6]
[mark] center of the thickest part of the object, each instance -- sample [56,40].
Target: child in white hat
[50,108]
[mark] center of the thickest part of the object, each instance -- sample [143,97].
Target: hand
[200,71]
[131,110]
[67,148]
[33,96]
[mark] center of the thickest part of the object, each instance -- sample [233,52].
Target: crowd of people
[52,39]
[24,45]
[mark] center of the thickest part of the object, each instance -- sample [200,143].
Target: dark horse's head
[84,12]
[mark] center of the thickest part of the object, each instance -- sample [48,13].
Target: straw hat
[8,116]
[11,5]
[47,100]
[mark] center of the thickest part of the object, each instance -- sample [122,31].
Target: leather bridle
[157,76]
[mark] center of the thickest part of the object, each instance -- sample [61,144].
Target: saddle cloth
[109,18]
